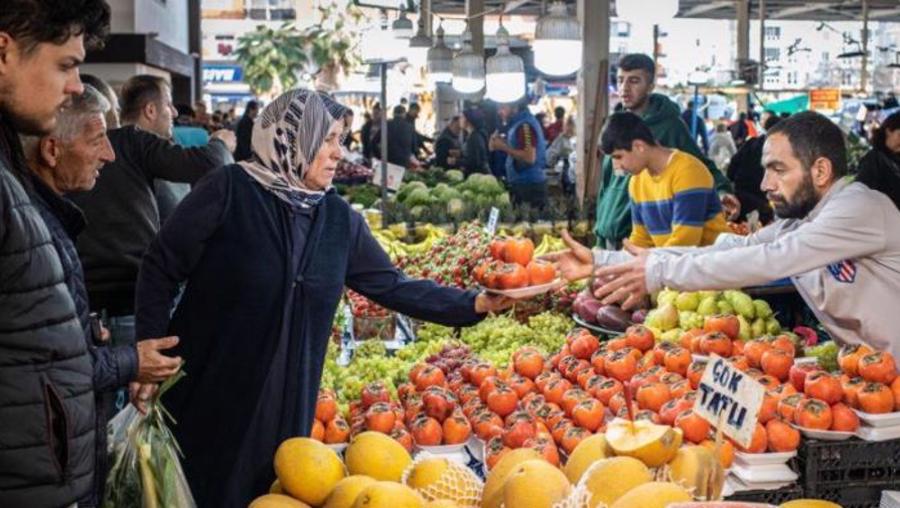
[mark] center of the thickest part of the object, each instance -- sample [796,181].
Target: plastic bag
[146,470]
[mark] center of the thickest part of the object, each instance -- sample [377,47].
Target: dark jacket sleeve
[175,251]
[881,172]
[114,366]
[160,158]
[476,154]
[371,274]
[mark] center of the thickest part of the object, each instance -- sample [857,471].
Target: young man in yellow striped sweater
[673,196]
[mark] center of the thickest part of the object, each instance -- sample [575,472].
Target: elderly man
[70,159]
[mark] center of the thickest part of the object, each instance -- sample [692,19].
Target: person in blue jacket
[525,149]
[266,247]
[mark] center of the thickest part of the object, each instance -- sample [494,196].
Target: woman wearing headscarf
[879,169]
[266,247]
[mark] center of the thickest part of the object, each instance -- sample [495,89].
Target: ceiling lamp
[402,27]
[557,42]
[505,77]
[653,12]
[468,68]
[439,60]
[419,46]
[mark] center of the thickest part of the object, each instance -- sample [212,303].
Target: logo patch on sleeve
[843,271]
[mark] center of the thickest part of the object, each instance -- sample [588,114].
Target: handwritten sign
[491,227]
[737,397]
[395,174]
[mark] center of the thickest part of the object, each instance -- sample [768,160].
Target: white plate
[867,433]
[764,474]
[879,420]
[443,449]
[739,485]
[528,291]
[476,448]
[824,435]
[764,459]
[338,447]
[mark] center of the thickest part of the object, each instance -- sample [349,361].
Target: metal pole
[656,46]
[694,115]
[762,43]
[864,75]
[384,144]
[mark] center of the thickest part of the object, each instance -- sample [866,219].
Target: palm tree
[272,58]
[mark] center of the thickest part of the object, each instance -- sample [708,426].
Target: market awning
[790,106]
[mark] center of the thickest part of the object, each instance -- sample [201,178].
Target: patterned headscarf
[286,138]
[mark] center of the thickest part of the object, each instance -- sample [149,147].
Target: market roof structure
[807,10]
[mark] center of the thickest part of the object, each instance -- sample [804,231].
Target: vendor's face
[892,140]
[321,171]
[634,87]
[788,185]
[632,161]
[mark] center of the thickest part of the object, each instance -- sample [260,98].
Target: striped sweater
[679,207]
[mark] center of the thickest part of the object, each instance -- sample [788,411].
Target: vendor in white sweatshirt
[837,240]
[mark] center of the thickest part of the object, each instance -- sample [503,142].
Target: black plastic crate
[827,464]
[775,497]
[854,495]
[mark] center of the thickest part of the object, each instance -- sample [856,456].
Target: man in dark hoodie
[636,78]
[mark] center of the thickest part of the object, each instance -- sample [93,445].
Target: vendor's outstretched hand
[488,303]
[627,282]
[574,263]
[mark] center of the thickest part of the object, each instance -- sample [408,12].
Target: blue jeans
[121,330]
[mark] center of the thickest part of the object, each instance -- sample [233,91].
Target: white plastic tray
[879,420]
[824,435]
[476,448]
[763,459]
[528,291]
[868,433]
[764,474]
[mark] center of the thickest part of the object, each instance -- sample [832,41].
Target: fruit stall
[564,402]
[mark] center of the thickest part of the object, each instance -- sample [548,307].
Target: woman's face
[892,140]
[321,171]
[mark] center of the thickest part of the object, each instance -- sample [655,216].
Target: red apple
[798,374]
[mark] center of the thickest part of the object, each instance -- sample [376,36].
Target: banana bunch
[549,244]
[396,248]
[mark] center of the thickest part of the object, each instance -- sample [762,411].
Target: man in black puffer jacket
[46,388]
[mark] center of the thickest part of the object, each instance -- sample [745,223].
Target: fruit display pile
[450,260]
[513,265]
[453,198]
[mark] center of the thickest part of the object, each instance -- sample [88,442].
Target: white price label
[729,396]
[491,227]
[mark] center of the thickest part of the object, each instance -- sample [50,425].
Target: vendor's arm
[844,230]
[371,273]
[172,256]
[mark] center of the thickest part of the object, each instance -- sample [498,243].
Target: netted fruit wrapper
[145,461]
[457,483]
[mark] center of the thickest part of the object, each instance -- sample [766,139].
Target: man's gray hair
[71,119]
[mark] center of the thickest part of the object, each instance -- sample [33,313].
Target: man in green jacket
[636,78]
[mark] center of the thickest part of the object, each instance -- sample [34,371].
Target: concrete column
[743,43]
[476,24]
[425,12]
[864,73]
[593,98]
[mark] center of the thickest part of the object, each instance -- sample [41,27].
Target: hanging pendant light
[440,60]
[419,45]
[468,68]
[505,76]
[402,27]
[557,42]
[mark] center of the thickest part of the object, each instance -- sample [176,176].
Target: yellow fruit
[436,478]
[698,470]
[609,479]
[442,503]
[388,495]
[646,441]
[535,484]
[652,495]
[585,454]
[276,487]
[347,490]
[492,496]
[277,501]
[377,455]
[809,503]
[307,469]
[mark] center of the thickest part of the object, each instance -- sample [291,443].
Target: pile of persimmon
[869,379]
[513,266]
[376,411]
[329,425]
[432,410]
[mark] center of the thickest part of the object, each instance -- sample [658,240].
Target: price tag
[491,227]
[736,396]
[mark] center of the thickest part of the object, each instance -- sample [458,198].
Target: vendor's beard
[799,207]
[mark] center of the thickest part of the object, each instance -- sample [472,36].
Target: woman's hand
[575,263]
[488,303]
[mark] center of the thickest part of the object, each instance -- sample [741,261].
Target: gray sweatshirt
[844,259]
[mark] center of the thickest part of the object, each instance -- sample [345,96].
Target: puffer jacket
[46,389]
